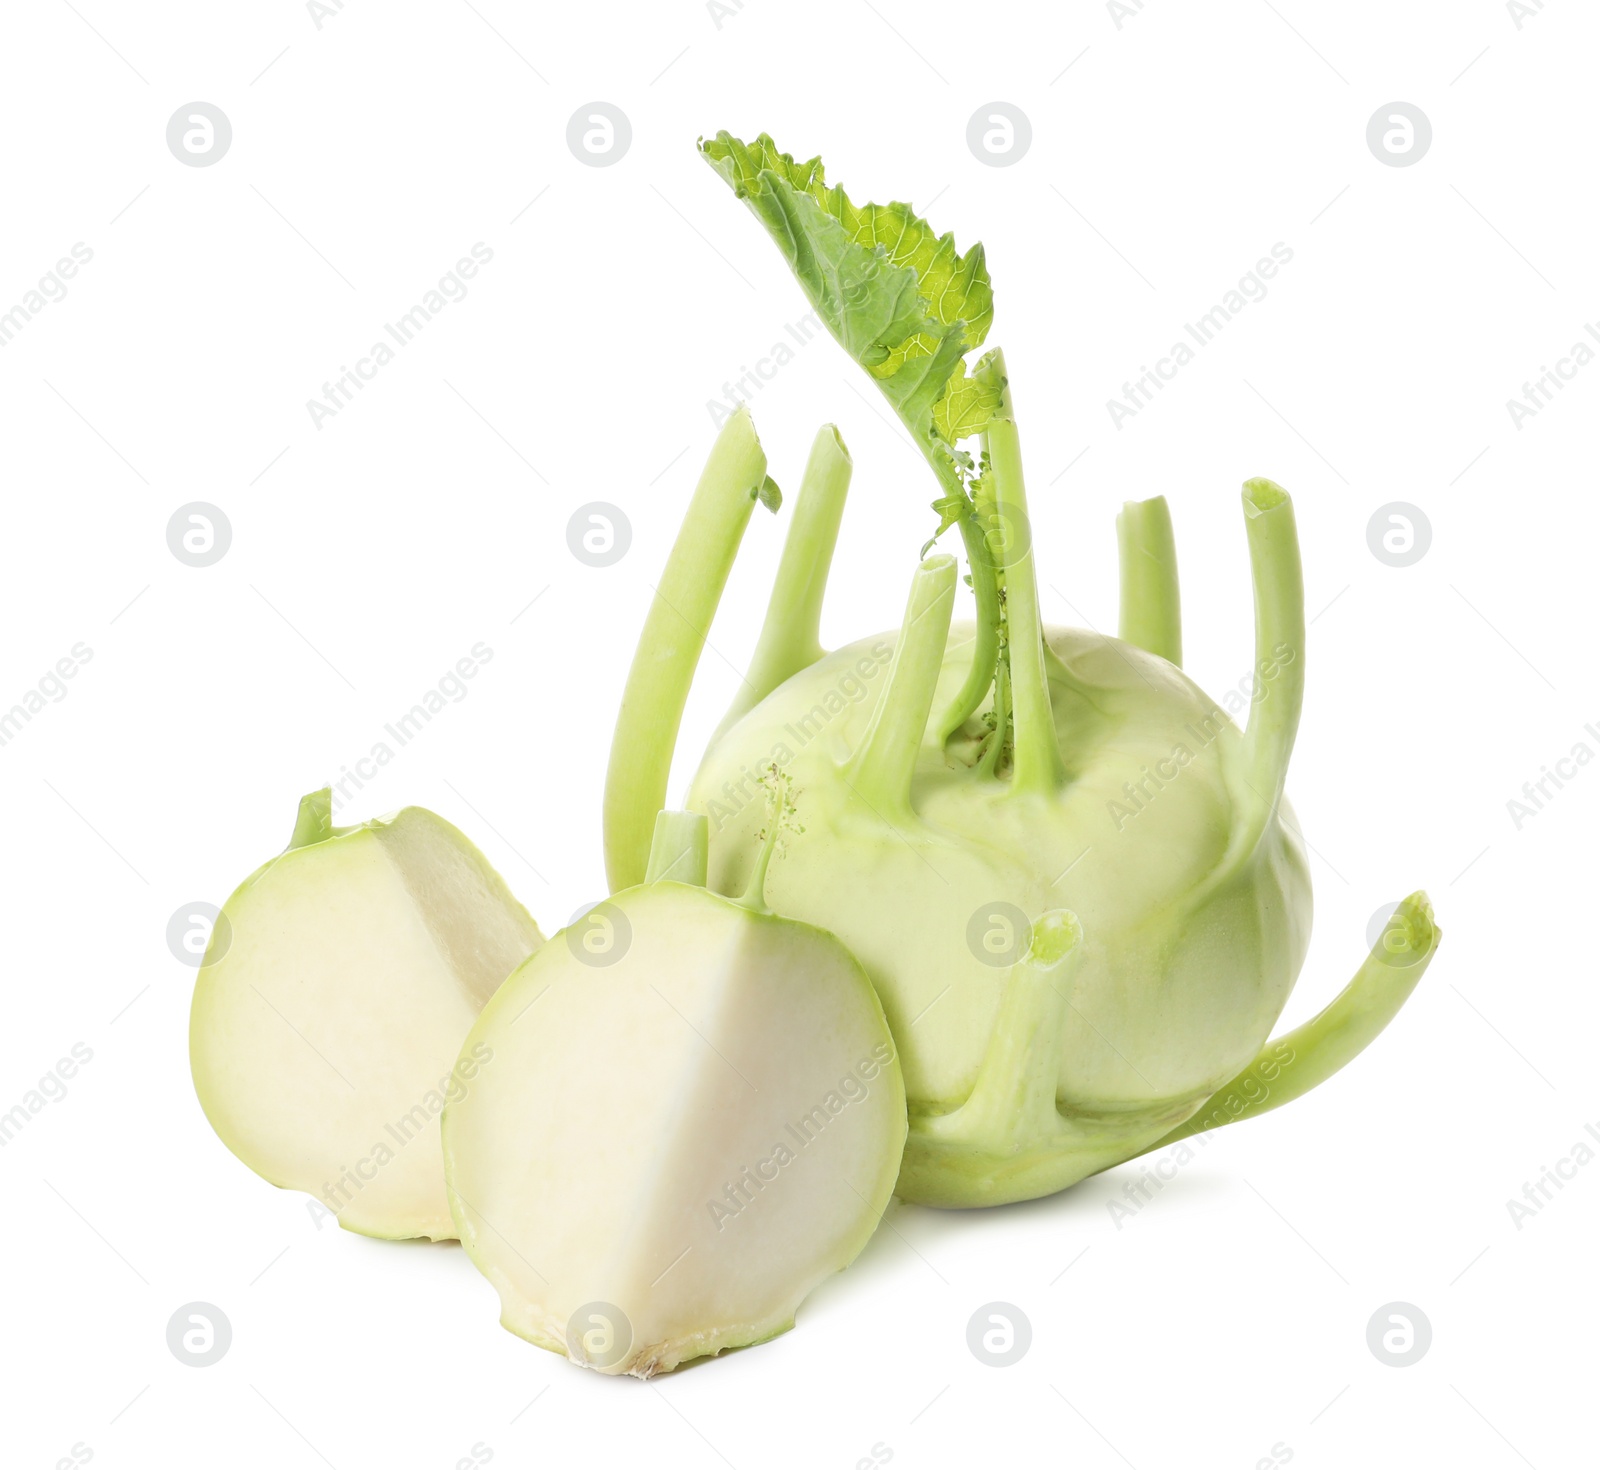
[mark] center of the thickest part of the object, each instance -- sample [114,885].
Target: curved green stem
[780,816]
[1291,1065]
[1150,616]
[679,849]
[789,640]
[1012,1106]
[669,647]
[1036,757]
[1280,680]
[754,896]
[989,764]
[986,640]
[882,766]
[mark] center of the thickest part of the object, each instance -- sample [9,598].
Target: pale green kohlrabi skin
[1190,946]
[1124,795]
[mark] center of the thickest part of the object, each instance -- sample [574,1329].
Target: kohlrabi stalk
[881,769]
[1011,1110]
[675,631]
[678,849]
[780,820]
[313,822]
[1150,619]
[1280,678]
[1291,1065]
[1036,765]
[789,637]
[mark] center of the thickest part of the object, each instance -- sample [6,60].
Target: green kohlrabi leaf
[902,301]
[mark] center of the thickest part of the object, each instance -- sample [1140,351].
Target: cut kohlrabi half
[327,1023]
[693,1114]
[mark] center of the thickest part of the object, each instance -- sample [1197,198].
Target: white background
[1168,155]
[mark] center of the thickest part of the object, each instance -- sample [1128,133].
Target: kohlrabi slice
[329,1013]
[964,781]
[689,1112]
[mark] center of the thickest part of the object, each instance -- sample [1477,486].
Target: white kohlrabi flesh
[960,781]
[331,1006]
[688,1113]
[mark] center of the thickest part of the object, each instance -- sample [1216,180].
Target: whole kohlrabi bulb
[1145,812]
[1091,776]
[957,787]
